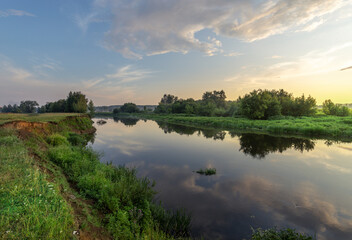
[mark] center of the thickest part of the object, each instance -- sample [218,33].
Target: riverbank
[53,186]
[317,127]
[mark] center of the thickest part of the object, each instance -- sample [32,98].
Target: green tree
[129,108]
[76,102]
[217,97]
[28,106]
[329,107]
[259,104]
[91,108]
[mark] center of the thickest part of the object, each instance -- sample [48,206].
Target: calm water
[261,181]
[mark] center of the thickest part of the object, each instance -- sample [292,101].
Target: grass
[127,201]
[35,117]
[207,171]
[279,234]
[30,205]
[328,127]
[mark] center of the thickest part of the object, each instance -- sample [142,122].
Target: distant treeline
[76,102]
[258,104]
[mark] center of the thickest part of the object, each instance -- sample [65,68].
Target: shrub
[57,140]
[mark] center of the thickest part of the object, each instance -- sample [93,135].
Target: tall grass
[30,206]
[126,201]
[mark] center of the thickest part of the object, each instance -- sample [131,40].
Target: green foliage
[175,223]
[216,97]
[25,107]
[57,140]
[264,104]
[126,199]
[282,234]
[260,104]
[329,108]
[76,139]
[91,109]
[129,108]
[115,111]
[31,207]
[331,127]
[207,171]
[28,106]
[76,102]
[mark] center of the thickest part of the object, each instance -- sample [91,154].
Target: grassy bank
[34,117]
[54,187]
[327,127]
[30,204]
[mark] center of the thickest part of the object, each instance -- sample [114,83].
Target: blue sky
[117,51]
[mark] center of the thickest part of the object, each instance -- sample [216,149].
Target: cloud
[38,83]
[128,74]
[14,12]
[150,27]
[233,54]
[346,68]
[312,63]
[312,26]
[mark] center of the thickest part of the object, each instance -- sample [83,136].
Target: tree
[168,99]
[76,102]
[116,111]
[217,97]
[28,106]
[259,104]
[329,107]
[91,108]
[129,108]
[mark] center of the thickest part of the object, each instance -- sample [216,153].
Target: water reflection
[302,184]
[129,122]
[260,145]
[255,145]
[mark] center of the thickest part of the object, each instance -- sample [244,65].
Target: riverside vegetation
[260,111]
[54,187]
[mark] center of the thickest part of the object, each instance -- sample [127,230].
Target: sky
[117,51]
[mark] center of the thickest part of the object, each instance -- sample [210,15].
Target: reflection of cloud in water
[234,206]
[128,147]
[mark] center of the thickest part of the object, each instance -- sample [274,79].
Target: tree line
[258,104]
[75,102]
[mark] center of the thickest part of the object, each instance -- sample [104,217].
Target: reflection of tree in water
[127,121]
[259,146]
[185,130]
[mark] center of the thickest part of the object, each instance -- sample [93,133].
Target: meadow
[320,126]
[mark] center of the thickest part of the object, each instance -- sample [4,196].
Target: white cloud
[149,27]
[312,26]
[14,12]
[17,83]
[313,63]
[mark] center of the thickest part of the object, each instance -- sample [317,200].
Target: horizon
[117,51]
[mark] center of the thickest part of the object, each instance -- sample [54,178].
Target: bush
[57,140]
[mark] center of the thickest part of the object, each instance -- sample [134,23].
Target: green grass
[279,234]
[207,171]
[328,127]
[34,117]
[125,200]
[31,206]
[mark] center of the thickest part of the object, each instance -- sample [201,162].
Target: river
[260,181]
